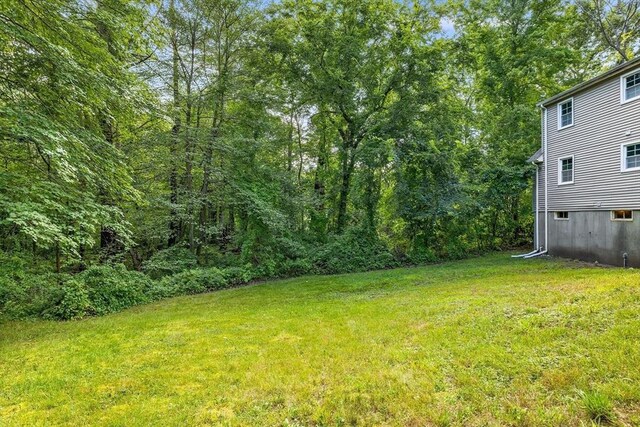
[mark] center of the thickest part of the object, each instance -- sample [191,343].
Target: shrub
[212,256]
[97,290]
[290,248]
[238,275]
[74,302]
[170,261]
[194,281]
[113,288]
[421,255]
[295,267]
[30,295]
[266,269]
[353,251]
[11,265]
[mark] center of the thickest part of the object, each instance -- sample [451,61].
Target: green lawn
[481,342]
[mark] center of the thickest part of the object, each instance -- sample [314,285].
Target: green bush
[11,265]
[353,251]
[74,302]
[193,282]
[421,255]
[266,269]
[238,275]
[295,267]
[27,292]
[113,288]
[97,290]
[291,248]
[29,295]
[170,261]
[213,256]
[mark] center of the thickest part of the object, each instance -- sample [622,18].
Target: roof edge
[537,157]
[618,69]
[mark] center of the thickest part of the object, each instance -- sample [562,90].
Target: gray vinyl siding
[600,126]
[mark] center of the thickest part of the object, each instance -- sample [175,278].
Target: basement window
[565,114]
[622,215]
[561,215]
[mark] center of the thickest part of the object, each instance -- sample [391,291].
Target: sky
[447,26]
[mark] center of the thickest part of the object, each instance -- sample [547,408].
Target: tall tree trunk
[217,121]
[347,165]
[188,182]
[174,223]
[58,258]
[372,195]
[188,167]
[318,213]
[109,242]
[188,136]
[300,157]
[205,203]
[290,141]
[517,230]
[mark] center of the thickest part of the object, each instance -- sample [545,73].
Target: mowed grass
[483,342]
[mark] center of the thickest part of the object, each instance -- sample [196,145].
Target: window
[630,156]
[562,215]
[622,215]
[565,170]
[565,114]
[630,86]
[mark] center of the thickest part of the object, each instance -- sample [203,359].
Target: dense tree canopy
[336,134]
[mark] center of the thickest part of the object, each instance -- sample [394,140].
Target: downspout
[542,139]
[542,249]
[538,250]
[536,239]
[546,178]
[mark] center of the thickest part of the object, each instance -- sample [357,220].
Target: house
[587,186]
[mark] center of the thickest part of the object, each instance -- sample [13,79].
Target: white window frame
[622,219]
[559,107]
[623,157]
[557,218]
[623,87]
[573,170]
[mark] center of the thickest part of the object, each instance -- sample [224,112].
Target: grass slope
[488,341]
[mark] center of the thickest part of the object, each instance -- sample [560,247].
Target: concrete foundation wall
[538,236]
[593,236]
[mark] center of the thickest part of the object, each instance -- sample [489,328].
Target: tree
[516,54]
[616,24]
[66,93]
[350,58]
[270,134]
